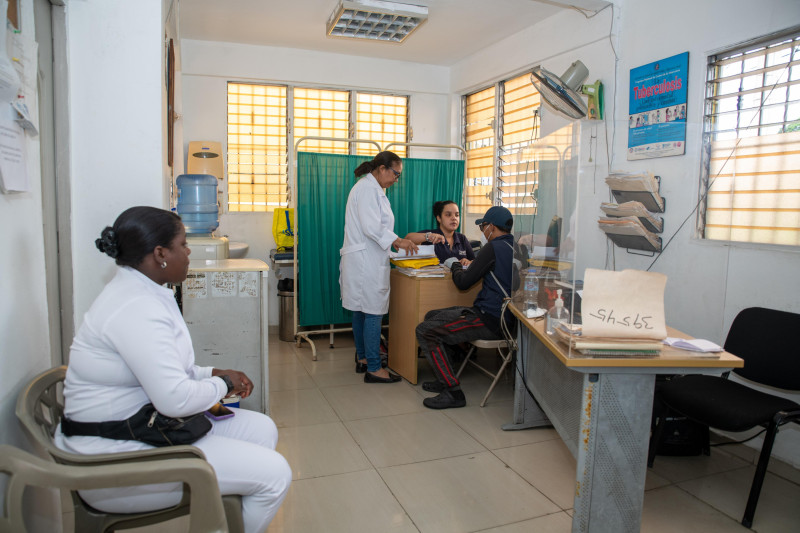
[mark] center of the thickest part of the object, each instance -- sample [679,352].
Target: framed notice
[657,110]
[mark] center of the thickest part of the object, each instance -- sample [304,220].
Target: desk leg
[527,412]
[612,452]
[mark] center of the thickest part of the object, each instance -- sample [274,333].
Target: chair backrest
[40,407]
[767,341]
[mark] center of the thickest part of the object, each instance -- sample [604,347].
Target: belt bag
[147,425]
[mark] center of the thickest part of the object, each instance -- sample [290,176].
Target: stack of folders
[606,347]
[623,229]
[642,186]
[430,271]
[634,209]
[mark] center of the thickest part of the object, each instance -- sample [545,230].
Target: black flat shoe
[372,378]
[433,386]
[446,400]
[360,367]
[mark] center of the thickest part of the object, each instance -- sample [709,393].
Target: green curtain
[323,184]
[423,182]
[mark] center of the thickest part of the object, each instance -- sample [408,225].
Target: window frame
[712,110]
[497,147]
[290,129]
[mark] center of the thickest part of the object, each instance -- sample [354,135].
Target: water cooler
[205,157]
[223,300]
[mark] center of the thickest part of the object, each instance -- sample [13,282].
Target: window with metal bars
[750,175]
[259,137]
[499,122]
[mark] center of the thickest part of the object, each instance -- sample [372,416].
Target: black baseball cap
[498,216]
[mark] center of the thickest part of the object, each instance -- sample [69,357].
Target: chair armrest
[206,510]
[153,454]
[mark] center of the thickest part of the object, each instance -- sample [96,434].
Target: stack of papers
[626,227]
[634,209]
[642,186]
[694,345]
[432,271]
[606,346]
[425,251]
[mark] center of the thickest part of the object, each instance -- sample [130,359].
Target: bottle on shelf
[531,295]
[557,314]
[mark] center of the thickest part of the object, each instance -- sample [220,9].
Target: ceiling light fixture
[376,20]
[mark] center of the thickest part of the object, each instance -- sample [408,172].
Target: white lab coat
[368,236]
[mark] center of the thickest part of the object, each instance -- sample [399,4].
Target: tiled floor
[371,458]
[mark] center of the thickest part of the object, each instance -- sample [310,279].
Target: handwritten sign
[627,304]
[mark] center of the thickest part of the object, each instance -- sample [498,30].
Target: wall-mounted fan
[563,94]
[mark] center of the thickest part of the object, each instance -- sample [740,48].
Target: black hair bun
[107,243]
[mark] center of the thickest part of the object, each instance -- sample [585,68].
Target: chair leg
[471,351]
[655,438]
[506,359]
[761,471]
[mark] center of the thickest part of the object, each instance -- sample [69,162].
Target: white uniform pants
[241,450]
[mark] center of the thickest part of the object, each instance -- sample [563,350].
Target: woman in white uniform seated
[364,267]
[133,348]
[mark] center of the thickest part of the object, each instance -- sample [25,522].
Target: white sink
[238,250]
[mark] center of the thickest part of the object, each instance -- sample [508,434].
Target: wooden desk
[409,300]
[601,408]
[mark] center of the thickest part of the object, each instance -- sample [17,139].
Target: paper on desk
[694,345]
[425,250]
[627,304]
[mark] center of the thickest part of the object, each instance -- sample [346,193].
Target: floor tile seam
[396,499]
[320,476]
[518,522]
[695,478]
[710,506]
[524,444]
[545,496]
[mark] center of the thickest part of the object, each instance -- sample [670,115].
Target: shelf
[646,223]
[647,199]
[635,242]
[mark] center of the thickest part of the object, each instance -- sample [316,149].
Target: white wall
[208,66]
[116,69]
[709,283]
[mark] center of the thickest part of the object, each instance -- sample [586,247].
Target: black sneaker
[446,400]
[433,386]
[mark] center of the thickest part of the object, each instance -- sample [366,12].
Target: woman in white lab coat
[134,348]
[364,267]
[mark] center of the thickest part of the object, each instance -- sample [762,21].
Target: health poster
[657,110]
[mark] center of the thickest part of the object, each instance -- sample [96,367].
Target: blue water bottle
[197,202]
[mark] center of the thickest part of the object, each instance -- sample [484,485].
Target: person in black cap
[443,329]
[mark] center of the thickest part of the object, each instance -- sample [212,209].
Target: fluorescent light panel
[376,20]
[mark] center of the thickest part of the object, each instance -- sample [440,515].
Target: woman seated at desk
[446,240]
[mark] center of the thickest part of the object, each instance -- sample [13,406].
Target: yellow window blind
[383,119]
[755,192]
[257,141]
[479,135]
[517,179]
[752,138]
[321,113]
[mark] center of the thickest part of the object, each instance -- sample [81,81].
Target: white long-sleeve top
[134,348]
[368,236]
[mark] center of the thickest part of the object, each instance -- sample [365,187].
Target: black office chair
[767,341]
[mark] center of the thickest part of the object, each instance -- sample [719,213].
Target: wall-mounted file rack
[653,202]
[634,242]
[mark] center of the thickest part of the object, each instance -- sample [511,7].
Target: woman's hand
[242,385]
[407,245]
[435,238]
[465,262]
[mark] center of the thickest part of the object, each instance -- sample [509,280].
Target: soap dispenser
[557,314]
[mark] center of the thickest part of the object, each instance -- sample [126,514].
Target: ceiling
[455,29]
